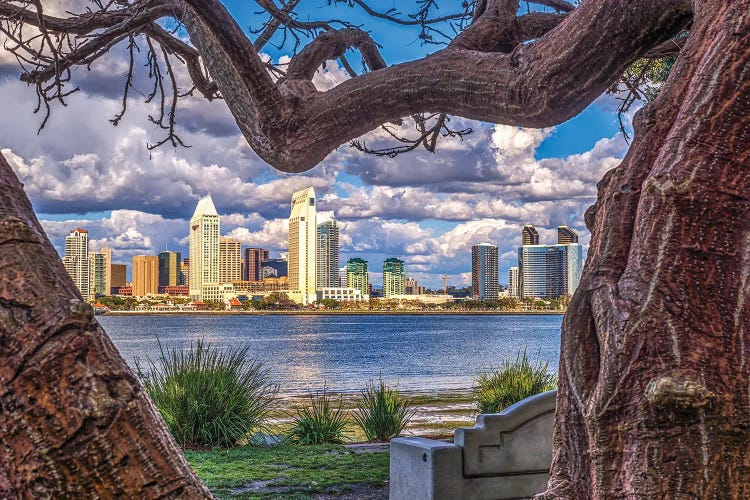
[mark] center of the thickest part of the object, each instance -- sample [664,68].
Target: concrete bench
[505,455]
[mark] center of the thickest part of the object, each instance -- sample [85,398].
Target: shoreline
[333,313]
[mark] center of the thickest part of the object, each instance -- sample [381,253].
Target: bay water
[305,352]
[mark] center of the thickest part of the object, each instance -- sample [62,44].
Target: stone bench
[505,455]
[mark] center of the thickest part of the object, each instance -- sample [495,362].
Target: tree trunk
[654,397]
[74,420]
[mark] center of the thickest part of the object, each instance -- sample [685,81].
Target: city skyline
[242,255]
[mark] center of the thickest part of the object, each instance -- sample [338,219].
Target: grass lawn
[289,471]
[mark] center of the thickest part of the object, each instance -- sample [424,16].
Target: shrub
[382,412]
[321,421]
[516,380]
[207,396]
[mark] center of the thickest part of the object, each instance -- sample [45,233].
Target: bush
[321,421]
[382,412]
[516,380]
[207,396]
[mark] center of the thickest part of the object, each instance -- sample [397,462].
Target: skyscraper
[76,260]
[204,247]
[541,271]
[145,274]
[529,235]
[549,271]
[328,254]
[484,282]
[394,277]
[513,281]
[565,235]
[169,268]
[100,272]
[119,272]
[230,264]
[357,276]
[302,240]
[252,260]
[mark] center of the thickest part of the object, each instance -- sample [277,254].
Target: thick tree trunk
[74,421]
[654,397]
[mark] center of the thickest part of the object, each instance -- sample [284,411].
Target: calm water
[303,352]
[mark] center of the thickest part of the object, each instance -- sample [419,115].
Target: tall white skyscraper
[76,260]
[302,235]
[513,281]
[204,247]
[328,254]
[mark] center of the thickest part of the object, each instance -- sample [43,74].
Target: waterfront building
[270,284]
[302,241]
[513,281]
[412,287]
[145,275]
[230,267]
[275,268]
[529,235]
[328,254]
[484,282]
[169,268]
[566,235]
[222,292]
[394,277]
[253,261]
[342,283]
[204,247]
[342,294]
[176,291]
[185,272]
[357,276]
[76,260]
[119,275]
[100,272]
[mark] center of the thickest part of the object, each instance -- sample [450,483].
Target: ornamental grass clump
[382,412]
[514,381]
[322,421]
[209,397]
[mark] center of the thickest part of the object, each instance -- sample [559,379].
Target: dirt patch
[354,492]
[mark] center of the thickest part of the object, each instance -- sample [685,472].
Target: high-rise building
[541,271]
[119,275]
[302,239]
[565,235]
[529,235]
[357,276]
[275,268]
[185,272]
[413,287]
[145,274]
[328,254]
[253,260]
[484,282]
[169,268]
[100,272]
[513,281]
[230,263]
[394,277]
[342,283]
[204,247]
[76,260]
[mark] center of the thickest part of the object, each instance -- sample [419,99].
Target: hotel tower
[204,247]
[302,255]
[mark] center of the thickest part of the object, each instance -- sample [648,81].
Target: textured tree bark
[654,397]
[74,420]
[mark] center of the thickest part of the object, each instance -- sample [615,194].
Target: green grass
[514,381]
[322,420]
[382,412]
[209,397]
[300,470]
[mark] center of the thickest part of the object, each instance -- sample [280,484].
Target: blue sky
[426,209]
